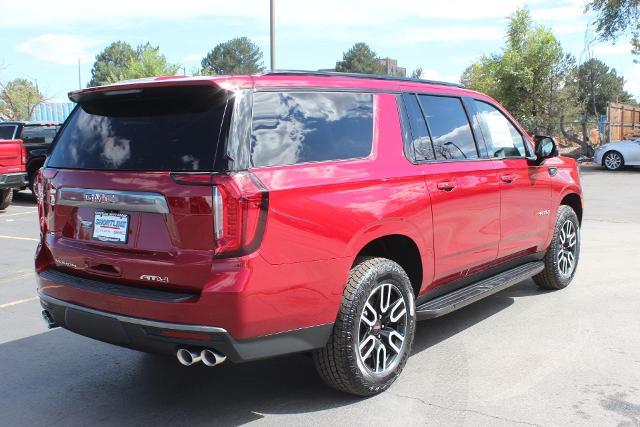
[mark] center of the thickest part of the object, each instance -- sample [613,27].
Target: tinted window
[6,132]
[291,128]
[39,134]
[419,141]
[450,129]
[502,138]
[174,129]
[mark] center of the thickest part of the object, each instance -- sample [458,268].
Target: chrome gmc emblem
[152,278]
[101,198]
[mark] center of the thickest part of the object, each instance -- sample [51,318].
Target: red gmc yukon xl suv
[243,217]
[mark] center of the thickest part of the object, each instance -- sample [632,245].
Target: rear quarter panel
[331,210]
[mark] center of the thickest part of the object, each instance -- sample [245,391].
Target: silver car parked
[616,155]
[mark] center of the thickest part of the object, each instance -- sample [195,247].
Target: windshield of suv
[172,129]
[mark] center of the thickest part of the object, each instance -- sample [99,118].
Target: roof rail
[355,75]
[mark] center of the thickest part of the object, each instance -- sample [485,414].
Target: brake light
[240,204]
[46,195]
[24,154]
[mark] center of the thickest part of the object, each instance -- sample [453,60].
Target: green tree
[149,62]
[119,61]
[617,17]
[112,64]
[360,59]
[597,85]
[529,77]
[235,56]
[18,99]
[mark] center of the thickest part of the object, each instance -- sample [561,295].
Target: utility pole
[79,76]
[273,33]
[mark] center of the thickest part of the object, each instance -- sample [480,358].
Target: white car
[616,155]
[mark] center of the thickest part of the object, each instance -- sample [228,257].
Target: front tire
[561,259]
[613,161]
[6,196]
[374,330]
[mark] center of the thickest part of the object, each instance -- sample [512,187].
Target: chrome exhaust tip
[212,358]
[48,319]
[188,357]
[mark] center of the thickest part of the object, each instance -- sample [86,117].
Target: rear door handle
[507,178]
[447,185]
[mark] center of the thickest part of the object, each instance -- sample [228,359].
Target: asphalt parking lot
[522,356]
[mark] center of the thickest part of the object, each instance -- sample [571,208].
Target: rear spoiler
[132,87]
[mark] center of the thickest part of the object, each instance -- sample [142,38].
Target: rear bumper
[166,338]
[13,180]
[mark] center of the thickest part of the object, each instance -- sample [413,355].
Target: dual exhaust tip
[188,357]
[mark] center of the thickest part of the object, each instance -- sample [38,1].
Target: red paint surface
[320,216]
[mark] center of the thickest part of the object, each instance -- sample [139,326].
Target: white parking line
[21,301]
[31,239]
[16,214]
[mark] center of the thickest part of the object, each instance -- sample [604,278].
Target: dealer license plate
[110,227]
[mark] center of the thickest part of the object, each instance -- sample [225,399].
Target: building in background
[52,112]
[391,67]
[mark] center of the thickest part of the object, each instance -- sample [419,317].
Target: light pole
[272,25]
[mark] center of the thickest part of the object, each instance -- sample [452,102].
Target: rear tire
[6,196]
[33,181]
[374,330]
[561,259]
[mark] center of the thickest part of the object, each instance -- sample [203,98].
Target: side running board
[476,291]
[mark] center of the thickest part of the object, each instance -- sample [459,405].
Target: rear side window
[503,139]
[450,130]
[6,132]
[419,143]
[163,129]
[300,127]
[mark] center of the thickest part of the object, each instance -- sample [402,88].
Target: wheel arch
[574,201]
[400,249]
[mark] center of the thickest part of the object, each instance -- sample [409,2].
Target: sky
[442,37]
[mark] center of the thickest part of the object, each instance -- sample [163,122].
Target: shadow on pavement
[24,198]
[61,378]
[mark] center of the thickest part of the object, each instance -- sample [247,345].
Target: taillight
[46,195]
[240,203]
[24,155]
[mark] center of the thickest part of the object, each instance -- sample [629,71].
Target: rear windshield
[6,132]
[172,129]
[39,134]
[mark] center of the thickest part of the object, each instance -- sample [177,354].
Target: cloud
[632,80]
[448,33]
[327,14]
[59,48]
[193,57]
[612,49]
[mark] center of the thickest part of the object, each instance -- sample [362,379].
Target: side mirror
[546,147]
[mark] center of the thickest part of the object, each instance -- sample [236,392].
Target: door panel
[526,206]
[465,199]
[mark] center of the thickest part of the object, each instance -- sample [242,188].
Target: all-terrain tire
[552,277]
[340,362]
